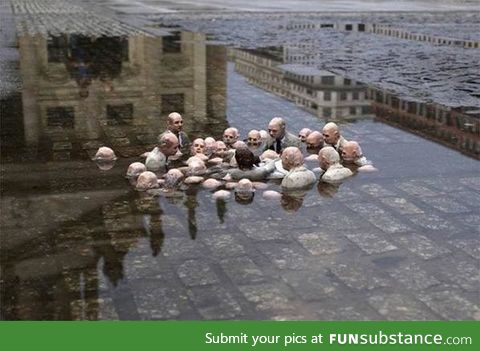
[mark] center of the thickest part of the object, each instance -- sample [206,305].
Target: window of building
[327,95]
[348,27]
[355,95]
[57,49]
[327,112]
[120,114]
[361,27]
[366,110]
[172,43]
[328,80]
[60,116]
[173,102]
[353,110]
[347,81]
[343,96]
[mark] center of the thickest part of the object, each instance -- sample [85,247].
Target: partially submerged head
[331,133]
[105,154]
[173,178]
[254,138]
[198,146]
[351,152]
[327,157]
[135,169]
[314,140]
[291,158]
[303,134]
[168,144]
[244,191]
[230,136]
[146,180]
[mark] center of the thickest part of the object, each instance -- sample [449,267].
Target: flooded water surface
[78,242]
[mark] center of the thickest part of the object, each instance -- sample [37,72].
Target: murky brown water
[80,243]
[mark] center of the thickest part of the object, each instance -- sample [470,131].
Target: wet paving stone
[470,198]
[264,230]
[451,305]
[401,205]
[224,245]
[412,276]
[416,189]
[400,307]
[471,182]
[311,285]
[376,190]
[433,222]
[470,246]
[285,256]
[371,243]
[421,246]
[273,298]
[93,309]
[182,248]
[196,272]
[379,218]
[155,301]
[459,270]
[360,277]
[242,271]
[214,302]
[321,243]
[445,204]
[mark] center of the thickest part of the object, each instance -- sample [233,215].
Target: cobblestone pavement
[400,244]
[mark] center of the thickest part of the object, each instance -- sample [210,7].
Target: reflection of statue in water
[327,189]
[154,231]
[191,204]
[221,209]
[292,200]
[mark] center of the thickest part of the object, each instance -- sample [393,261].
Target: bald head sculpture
[174,122]
[351,152]
[303,134]
[331,133]
[230,136]
[292,158]
[314,140]
[327,157]
[168,144]
[276,128]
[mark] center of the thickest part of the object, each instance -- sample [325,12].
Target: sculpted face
[230,136]
[169,144]
[351,152]
[254,138]
[210,145]
[275,130]
[175,122]
[291,157]
[303,134]
[198,146]
[330,133]
[221,148]
[135,169]
[314,140]
[147,180]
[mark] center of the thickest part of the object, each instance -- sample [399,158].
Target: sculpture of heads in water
[146,180]
[327,157]
[314,140]
[303,134]
[268,155]
[351,152]
[221,149]
[172,178]
[244,191]
[331,133]
[210,146]
[155,160]
[168,144]
[105,154]
[196,167]
[254,139]
[276,128]
[292,158]
[135,169]
[174,122]
[245,158]
[198,147]
[230,136]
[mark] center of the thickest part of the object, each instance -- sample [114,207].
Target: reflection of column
[216,82]
[29,71]
[199,75]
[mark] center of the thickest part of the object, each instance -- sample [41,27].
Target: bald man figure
[298,176]
[329,160]
[314,142]
[175,126]
[280,137]
[332,137]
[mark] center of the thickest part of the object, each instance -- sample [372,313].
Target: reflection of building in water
[456,128]
[88,87]
[322,93]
